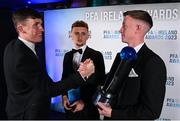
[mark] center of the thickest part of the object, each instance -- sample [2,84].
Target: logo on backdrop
[164,14]
[173,102]
[174,58]
[107,55]
[103,15]
[60,52]
[111,34]
[170,81]
[162,35]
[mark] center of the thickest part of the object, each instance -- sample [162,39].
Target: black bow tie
[79,51]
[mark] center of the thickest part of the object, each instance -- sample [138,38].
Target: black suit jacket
[29,87]
[89,87]
[141,97]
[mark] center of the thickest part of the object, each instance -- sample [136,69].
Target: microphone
[106,93]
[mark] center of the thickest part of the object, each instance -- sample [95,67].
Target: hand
[79,105]
[66,103]
[86,68]
[104,109]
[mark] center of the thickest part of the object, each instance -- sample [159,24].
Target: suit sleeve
[95,80]
[61,87]
[151,95]
[65,71]
[67,82]
[98,77]
[109,76]
[34,76]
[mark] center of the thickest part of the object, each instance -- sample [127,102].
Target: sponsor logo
[173,102]
[161,35]
[107,55]
[59,52]
[170,81]
[174,58]
[111,34]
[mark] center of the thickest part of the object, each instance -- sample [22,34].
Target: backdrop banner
[104,24]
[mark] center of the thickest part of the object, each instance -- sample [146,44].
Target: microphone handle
[121,73]
[109,77]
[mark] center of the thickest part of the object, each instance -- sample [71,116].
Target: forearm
[61,87]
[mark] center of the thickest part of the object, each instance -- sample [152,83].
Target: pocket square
[132,73]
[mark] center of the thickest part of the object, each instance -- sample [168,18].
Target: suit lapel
[85,54]
[25,49]
[140,59]
[70,61]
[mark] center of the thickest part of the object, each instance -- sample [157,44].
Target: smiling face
[79,36]
[31,30]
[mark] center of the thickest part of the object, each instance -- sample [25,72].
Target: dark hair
[23,14]
[79,23]
[140,15]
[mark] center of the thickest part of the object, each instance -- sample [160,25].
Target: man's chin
[38,41]
[79,45]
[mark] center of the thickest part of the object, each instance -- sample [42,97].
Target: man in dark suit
[143,91]
[83,108]
[29,87]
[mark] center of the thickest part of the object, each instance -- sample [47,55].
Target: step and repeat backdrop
[104,25]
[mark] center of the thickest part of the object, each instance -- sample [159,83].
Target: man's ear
[20,28]
[138,26]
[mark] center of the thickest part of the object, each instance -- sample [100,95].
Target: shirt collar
[83,48]
[138,47]
[28,44]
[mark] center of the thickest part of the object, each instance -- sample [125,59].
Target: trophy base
[102,96]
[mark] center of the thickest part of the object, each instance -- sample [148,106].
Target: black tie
[79,51]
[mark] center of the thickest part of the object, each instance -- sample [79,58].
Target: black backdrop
[7,33]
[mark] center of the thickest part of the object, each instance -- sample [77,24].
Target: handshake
[86,68]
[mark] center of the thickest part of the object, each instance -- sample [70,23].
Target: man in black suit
[143,91]
[29,87]
[83,108]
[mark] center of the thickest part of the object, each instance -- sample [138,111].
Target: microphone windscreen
[128,53]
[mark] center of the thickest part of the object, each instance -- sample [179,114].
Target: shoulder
[12,47]
[67,53]
[91,50]
[11,44]
[152,57]
[146,52]
[153,54]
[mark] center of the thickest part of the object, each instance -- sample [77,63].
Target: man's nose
[80,36]
[41,28]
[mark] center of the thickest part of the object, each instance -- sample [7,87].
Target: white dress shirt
[28,44]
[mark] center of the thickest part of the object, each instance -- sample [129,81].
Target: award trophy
[106,93]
